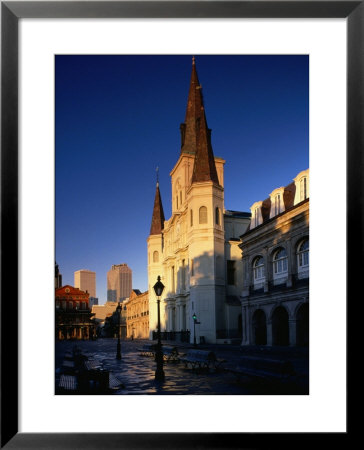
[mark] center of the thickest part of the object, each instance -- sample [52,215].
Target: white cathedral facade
[196,251]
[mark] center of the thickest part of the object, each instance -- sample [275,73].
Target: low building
[275,248]
[93,301]
[106,318]
[137,315]
[74,319]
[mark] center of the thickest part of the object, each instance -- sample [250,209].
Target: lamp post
[159,373]
[195,322]
[118,352]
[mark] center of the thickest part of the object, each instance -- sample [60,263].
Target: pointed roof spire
[157,224]
[204,168]
[193,112]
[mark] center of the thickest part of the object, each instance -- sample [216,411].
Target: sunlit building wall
[196,250]
[86,281]
[119,282]
[137,315]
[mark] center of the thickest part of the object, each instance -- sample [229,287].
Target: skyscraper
[119,282]
[86,281]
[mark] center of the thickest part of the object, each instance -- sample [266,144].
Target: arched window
[70,305]
[280,261]
[202,215]
[155,256]
[258,268]
[303,254]
[217,216]
[191,217]
[303,188]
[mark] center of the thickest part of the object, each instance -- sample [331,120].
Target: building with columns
[196,251]
[275,295]
[73,317]
[137,315]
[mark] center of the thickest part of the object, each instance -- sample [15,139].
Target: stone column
[169,315]
[248,325]
[247,276]
[267,269]
[244,325]
[289,263]
[292,332]
[269,333]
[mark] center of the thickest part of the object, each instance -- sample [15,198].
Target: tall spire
[204,168]
[157,224]
[193,112]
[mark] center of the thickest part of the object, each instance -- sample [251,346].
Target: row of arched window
[280,261]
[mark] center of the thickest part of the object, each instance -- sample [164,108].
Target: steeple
[158,214]
[204,168]
[193,112]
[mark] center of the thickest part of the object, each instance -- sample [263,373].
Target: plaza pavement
[137,372]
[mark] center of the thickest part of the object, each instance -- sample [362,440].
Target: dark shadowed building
[275,296]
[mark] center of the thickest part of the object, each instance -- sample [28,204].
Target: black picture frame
[11,12]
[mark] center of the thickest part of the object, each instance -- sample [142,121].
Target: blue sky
[118,118]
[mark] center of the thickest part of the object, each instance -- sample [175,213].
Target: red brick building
[73,315]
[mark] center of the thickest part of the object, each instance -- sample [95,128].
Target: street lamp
[159,373]
[195,322]
[118,352]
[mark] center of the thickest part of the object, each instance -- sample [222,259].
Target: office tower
[119,282]
[86,281]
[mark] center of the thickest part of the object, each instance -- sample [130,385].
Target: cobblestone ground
[137,372]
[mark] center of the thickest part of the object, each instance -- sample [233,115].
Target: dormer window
[256,212]
[302,183]
[277,204]
[303,188]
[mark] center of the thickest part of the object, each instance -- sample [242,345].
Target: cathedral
[196,251]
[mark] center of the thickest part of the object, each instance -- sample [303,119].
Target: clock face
[67,290]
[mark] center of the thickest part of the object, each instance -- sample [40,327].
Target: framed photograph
[58,55]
